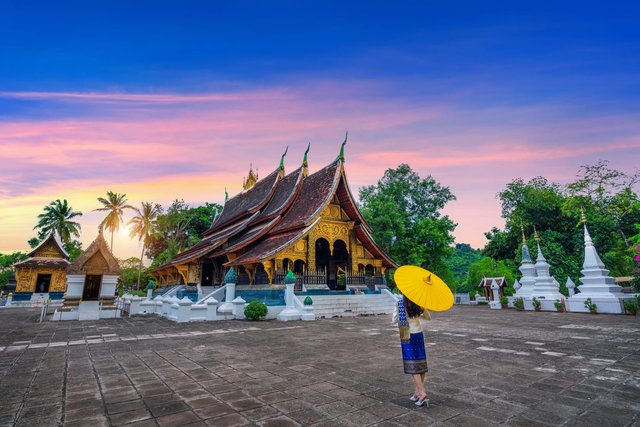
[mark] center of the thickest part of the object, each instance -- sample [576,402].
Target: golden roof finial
[252,178]
[583,217]
[524,239]
[536,236]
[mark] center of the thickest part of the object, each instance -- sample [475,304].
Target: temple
[307,223]
[42,276]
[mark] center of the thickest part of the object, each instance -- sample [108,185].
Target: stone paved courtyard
[486,367]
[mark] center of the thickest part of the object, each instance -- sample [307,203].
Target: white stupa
[546,288]
[571,287]
[516,285]
[596,282]
[528,271]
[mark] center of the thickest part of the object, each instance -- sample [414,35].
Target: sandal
[414,398]
[423,402]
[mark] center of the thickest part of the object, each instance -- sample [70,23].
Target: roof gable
[96,256]
[315,194]
[246,202]
[50,247]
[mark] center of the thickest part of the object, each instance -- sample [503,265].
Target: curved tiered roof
[278,210]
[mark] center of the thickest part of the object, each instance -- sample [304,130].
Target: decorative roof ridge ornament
[540,256]
[226,195]
[341,155]
[252,178]
[526,255]
[282,162]
[305,163]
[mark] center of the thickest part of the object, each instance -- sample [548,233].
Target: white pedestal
[610,305]
[291,312]
[89,310]
[230,295]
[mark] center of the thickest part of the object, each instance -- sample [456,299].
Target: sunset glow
[185,121]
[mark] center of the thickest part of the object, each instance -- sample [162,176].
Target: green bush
[519,303]
[504,300]
[630,305]
[536,303]
[255,310]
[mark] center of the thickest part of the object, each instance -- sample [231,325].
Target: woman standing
[414,354]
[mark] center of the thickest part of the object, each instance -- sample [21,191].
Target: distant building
[43,275]
[486,284]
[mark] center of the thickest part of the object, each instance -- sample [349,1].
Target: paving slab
[486,367]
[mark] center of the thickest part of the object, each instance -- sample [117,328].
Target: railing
[320,278]
[218,294]
[124,307]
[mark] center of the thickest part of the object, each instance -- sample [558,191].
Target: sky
[174,100]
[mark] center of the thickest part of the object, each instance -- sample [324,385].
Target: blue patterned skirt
[414,352]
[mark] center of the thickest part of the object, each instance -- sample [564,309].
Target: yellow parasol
[423,288]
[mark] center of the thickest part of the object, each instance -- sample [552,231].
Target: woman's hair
[413,309]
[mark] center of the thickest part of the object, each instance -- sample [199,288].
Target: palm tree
[143,225]
[115,204]
[57,215]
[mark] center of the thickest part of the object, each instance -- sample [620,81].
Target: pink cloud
[165,146]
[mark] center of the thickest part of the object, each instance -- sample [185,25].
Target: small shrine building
[92,280]
[43,275]
[307,223]
[487,290]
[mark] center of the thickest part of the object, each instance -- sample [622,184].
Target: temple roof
[42,262]
[54,238]
[98,246]
[247,202]
[270,246]
[487,282]
[282,198]
[277,211]
[317,190]
[241,240]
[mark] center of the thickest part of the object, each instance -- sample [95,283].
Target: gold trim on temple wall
[269,269]
[183,270]
[26,278]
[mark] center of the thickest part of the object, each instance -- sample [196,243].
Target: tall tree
[178,228]
[6,266]
[143,225]
[404,212]
[58,216]
[115,204]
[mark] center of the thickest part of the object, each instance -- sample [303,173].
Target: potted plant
[559,305]
[504,302]
[519,304]
[631,307]
[536,304]
[593,308]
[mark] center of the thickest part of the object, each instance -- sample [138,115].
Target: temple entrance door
[207,274]
[42,283]
[323,260]
[92,284]
[341,260]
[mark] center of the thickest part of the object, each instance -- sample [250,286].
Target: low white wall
[108,288]
[75,285]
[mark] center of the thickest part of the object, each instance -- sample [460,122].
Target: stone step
[351,305]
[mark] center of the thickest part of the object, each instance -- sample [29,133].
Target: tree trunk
[140,266]
[112,242]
